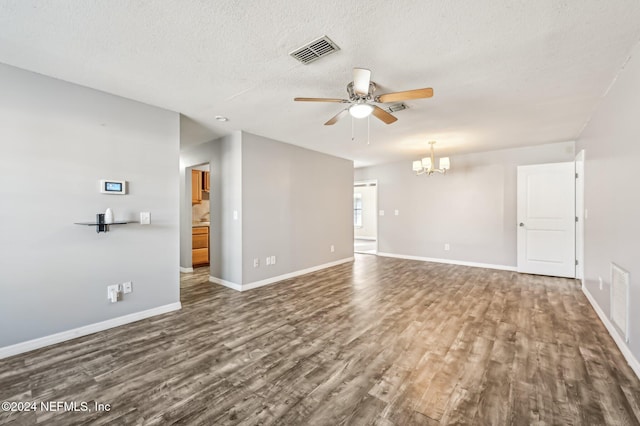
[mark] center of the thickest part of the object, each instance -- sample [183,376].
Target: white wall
[369,212]
[611,141]
[56,141]
[472,207]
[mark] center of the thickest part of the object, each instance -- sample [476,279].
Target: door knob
[521,224]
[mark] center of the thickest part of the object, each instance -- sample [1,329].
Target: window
[357,210]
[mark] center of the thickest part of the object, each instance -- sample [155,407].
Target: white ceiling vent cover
[620,299]
[315,50]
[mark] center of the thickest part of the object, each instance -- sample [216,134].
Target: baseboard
[261,283]
[613,332]
[231,285]
[63,336]
[186,270]
[450,261]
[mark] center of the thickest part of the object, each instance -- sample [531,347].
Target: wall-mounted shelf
[103,227]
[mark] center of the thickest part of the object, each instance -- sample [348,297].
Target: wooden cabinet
[196,186]
[206,181]
[200,246]
[199,183]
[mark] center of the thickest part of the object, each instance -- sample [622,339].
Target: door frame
[580,214]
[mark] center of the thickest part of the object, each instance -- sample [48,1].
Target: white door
[546,219]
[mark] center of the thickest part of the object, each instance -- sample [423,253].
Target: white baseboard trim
[231,285]
[261,283]
[626,352]
[63,336]
[186,270]
[450,261]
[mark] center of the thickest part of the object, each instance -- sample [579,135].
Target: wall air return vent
[620,299]
[315,50]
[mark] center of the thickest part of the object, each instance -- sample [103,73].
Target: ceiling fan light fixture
[360,110]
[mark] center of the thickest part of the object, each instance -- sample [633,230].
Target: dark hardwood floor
[380,341]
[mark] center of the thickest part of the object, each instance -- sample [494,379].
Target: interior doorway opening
[365,218]
[200,215]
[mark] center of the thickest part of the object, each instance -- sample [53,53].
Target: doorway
[200,215]
[365,218]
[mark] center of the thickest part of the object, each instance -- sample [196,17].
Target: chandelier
[426,166]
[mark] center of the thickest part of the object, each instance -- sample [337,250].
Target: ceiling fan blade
[361,80]
[337,117]
[320,100]
[406,95]
[383,115]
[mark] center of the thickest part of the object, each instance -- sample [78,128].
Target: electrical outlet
[333,249]
[113,293]
[127,287]
[273,260]
[447,247]
[256,262]
[381,212]
[268,261]
[145,218]
[600,280]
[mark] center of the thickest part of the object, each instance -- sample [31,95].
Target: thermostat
[111,186]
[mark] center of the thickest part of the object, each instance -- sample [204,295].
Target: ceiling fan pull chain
[353,137]
[369,130]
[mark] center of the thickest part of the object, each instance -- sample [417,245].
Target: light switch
[235,215]
[397,212]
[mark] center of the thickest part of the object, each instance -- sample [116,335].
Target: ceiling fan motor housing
[354,97]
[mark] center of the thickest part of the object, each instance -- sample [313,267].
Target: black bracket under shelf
[100,225]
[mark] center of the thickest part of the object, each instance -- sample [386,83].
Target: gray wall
[56,141]
[296,204]
[611,141]
[472,207]
[225,160]
[291,203]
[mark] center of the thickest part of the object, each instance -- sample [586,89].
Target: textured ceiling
[505,73]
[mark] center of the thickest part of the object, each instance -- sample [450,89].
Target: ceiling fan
[361,94]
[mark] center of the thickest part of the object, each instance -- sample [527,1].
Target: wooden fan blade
[361,80]
[383,115]
[337,117]
[320,100]
[406,95]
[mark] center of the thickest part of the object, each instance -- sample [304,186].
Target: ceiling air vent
[396,107]
[315,50]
